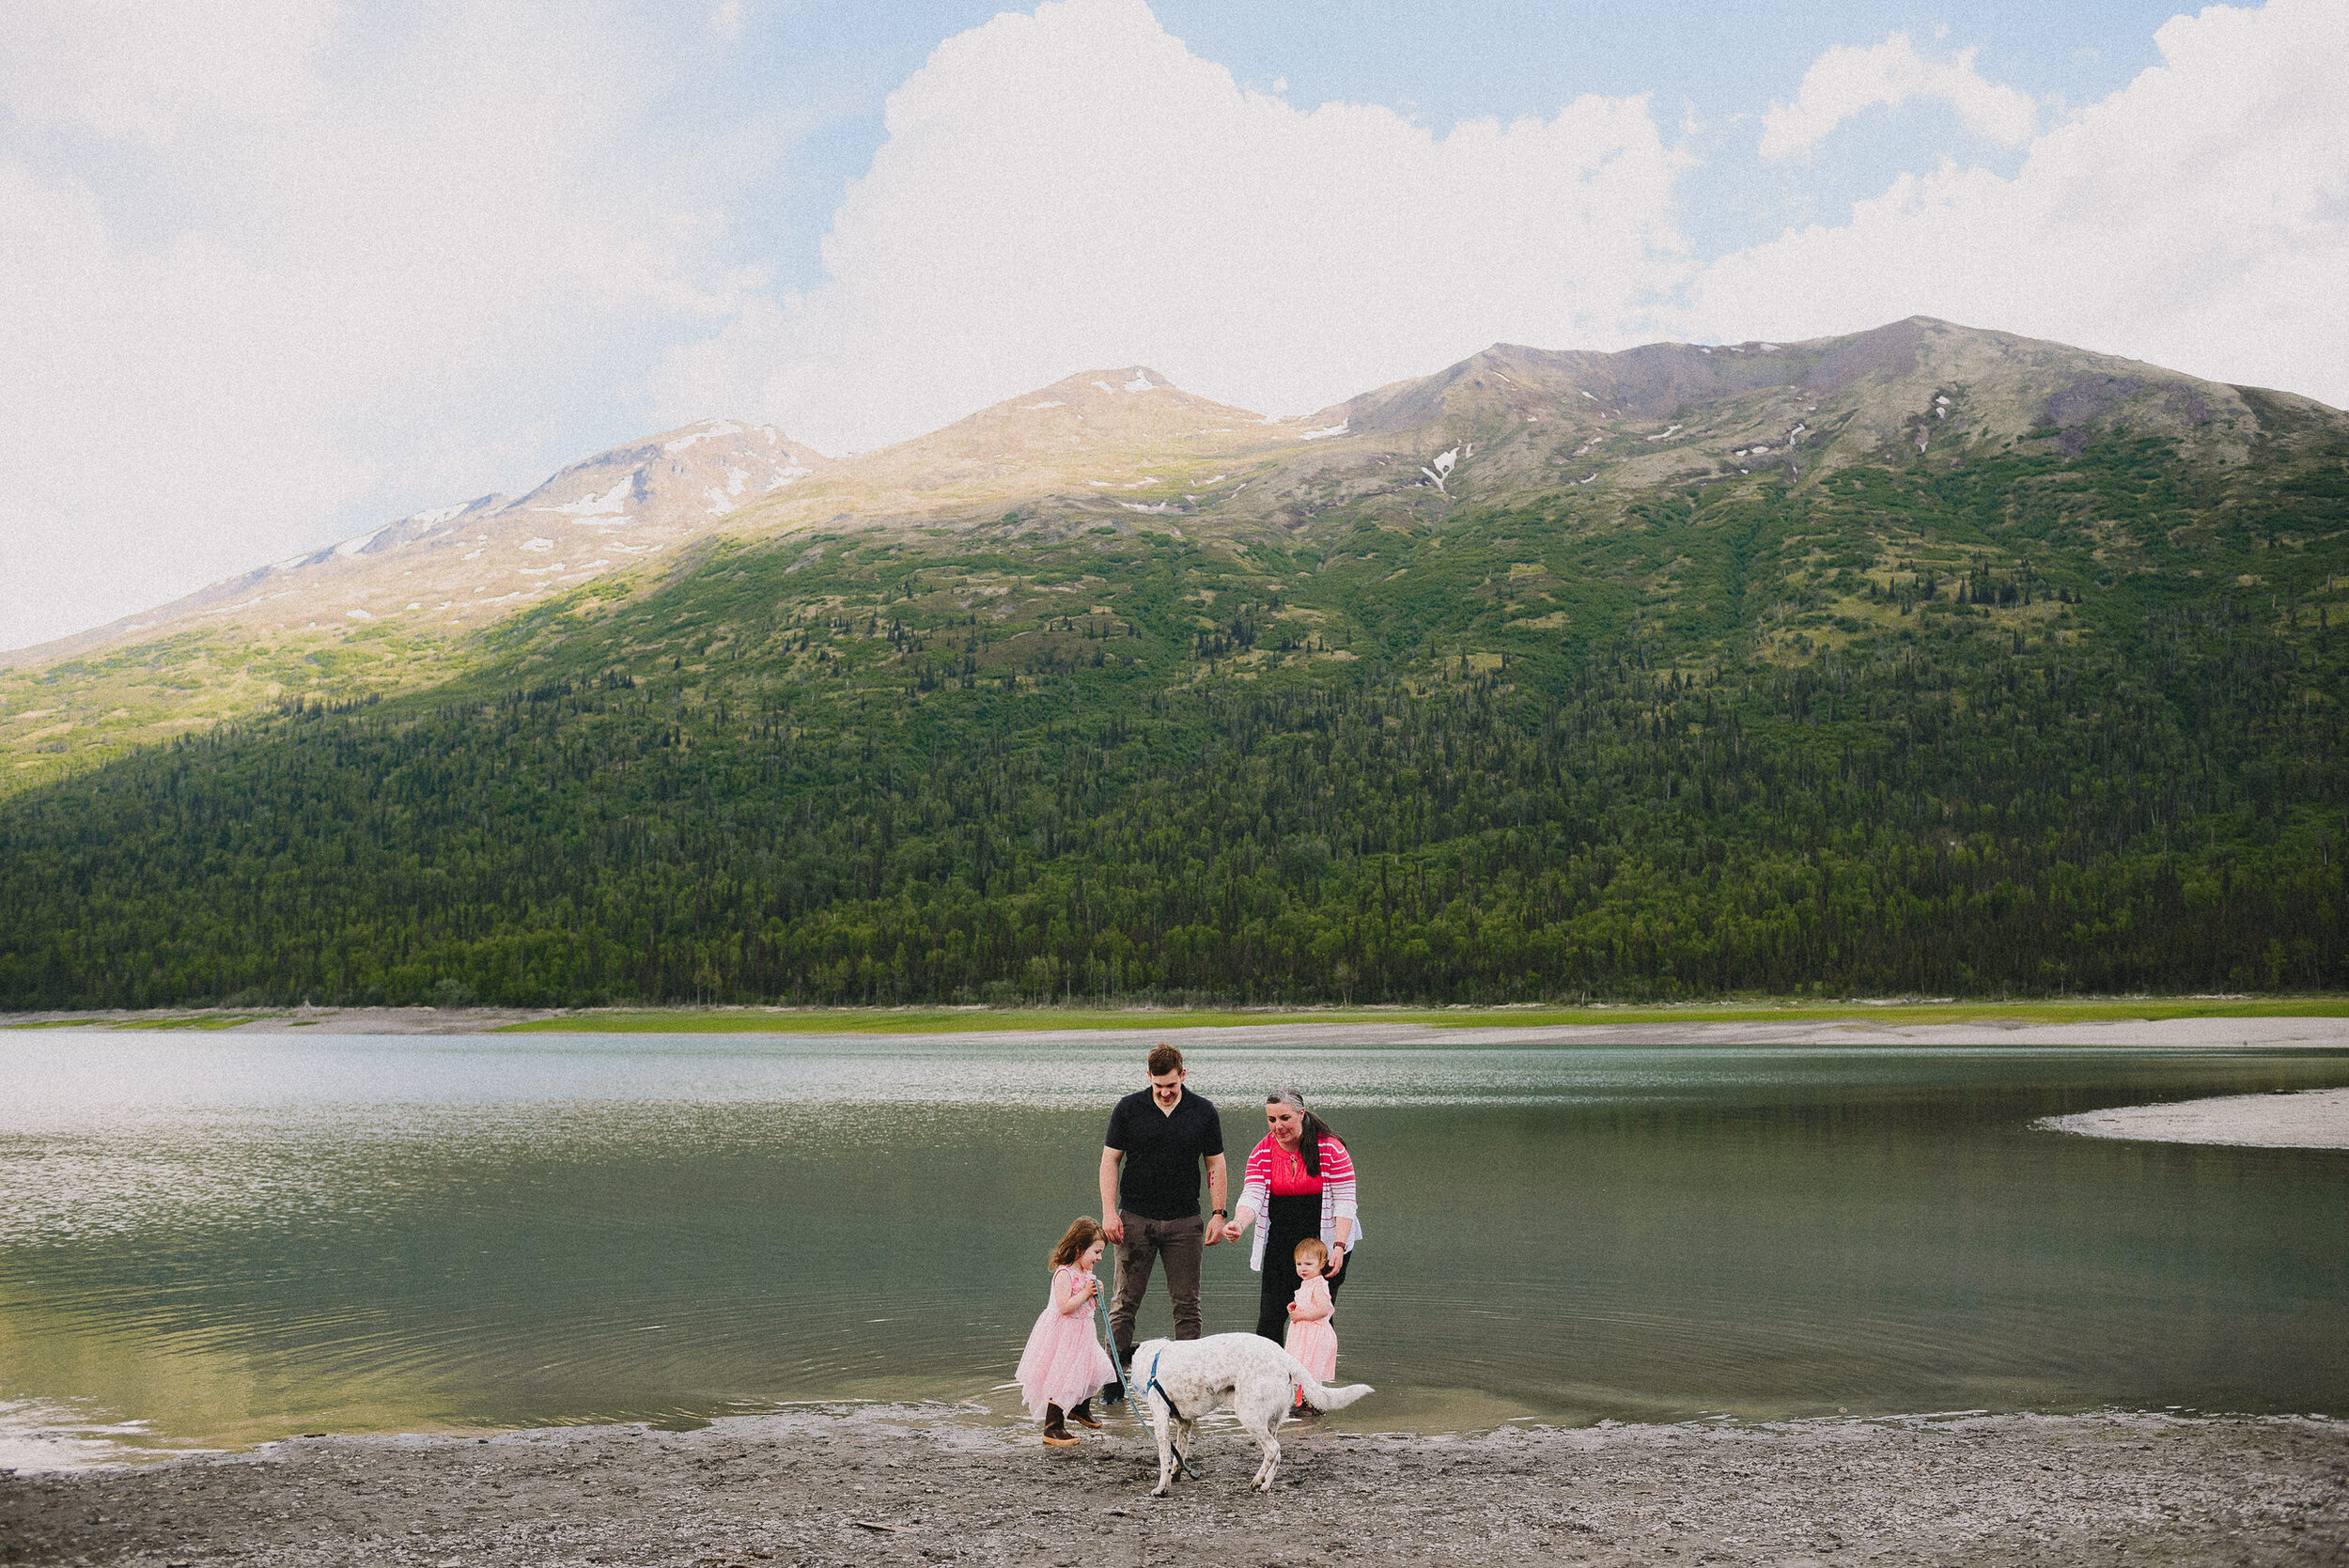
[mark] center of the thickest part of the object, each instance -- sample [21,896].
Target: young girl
[1065,1362]
[1311,1339]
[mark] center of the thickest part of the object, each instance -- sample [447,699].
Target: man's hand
[1215,1229]
[1111,1226]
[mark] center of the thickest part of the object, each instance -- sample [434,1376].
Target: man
[1160,1133]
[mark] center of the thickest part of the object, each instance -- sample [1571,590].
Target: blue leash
[1101,1305]
[1154,1386]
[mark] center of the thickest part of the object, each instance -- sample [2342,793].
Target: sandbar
[2308,1119]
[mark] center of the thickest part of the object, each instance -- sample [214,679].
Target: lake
[218,1239]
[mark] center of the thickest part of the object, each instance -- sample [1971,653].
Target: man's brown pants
[1183,1243]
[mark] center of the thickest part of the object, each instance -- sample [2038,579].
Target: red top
[1284,1172]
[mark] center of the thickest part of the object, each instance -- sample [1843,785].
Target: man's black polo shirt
[1163,1152]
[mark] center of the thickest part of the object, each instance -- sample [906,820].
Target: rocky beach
[905,1485]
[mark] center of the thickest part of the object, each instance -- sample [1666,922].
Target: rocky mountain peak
[466,563]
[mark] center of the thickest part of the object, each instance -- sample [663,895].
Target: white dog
[1177,1381]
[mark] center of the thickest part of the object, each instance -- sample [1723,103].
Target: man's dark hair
[1165,1059]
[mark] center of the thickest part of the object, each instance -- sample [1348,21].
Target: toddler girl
[1311,1339]
[1065,1362]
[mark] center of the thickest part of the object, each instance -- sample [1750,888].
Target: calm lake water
[226,1238]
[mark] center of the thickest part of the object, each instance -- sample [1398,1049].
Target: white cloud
[264,263]
[149,73]
[1075,188]
[2198,218]
[1844,82]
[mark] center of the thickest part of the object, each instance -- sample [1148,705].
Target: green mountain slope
[2052,704]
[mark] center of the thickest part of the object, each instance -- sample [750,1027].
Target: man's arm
[1111,1226]
[1215,1184]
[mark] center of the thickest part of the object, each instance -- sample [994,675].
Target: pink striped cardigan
[1337,1195]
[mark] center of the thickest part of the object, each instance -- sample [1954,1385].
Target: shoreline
[2214,1023]
[900,1485]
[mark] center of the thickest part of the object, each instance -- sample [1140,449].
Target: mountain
[1927,658]
[1512,422]
[386,608]
[1122,449]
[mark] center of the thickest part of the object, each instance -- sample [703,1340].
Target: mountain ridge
[1122,452]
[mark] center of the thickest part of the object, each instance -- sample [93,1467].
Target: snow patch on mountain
[1442,471]
[612,501]
[1337,429]
[704,431]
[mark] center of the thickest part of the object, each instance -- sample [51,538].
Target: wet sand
[2309,1119]
[883,1486]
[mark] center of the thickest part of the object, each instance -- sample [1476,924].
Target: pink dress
[1312,1341]
[1063,1363]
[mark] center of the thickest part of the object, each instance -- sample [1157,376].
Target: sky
[278,272]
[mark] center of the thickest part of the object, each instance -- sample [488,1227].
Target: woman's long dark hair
[1311,1130]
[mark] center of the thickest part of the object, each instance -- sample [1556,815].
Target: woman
[1299,1184]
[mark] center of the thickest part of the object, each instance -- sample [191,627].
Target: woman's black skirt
[1289,1221]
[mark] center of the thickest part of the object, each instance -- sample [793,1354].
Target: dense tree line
[1899,734]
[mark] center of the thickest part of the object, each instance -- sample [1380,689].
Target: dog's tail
[1322,1397]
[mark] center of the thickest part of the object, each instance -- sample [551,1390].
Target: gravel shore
[903,1487]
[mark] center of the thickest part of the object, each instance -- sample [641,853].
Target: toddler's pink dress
[1063,1363]
[1312,1341]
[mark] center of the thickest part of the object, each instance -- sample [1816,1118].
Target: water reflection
[234,1237]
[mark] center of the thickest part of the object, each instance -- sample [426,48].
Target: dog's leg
[1260,1412]
[1272,1465]
[1159,1420]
